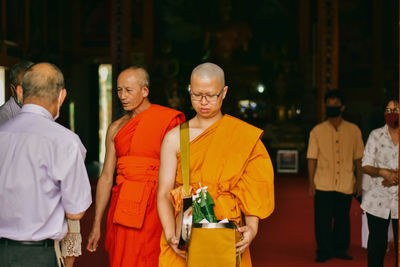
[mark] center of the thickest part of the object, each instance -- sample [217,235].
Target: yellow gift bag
[212,245]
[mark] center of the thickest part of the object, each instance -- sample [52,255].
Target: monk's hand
[173,242]
[248,234]
[93,239]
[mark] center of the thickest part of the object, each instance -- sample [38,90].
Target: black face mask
[333,112]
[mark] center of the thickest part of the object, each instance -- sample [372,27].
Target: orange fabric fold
[231,160]
[133,227]
[137,177]
[177,194]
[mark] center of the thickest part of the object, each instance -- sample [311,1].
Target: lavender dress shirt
[42,176]
[9,110]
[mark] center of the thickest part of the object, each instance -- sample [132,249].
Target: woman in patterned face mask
[380,202]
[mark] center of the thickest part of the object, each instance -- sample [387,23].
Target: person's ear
[145,91]
[20,93]
[63,96]
[342,108]
[12,89]
[224,92]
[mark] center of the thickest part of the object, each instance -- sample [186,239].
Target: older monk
[133,146]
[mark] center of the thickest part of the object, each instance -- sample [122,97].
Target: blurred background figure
[366,183]
[380,201]
[334,151]
[13,106]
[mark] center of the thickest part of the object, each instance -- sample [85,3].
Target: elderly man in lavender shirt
[43,179]
[13,106]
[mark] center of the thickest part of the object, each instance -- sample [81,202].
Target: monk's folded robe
[133,227]
[231,160]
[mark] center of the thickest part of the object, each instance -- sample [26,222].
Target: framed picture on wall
[287,161]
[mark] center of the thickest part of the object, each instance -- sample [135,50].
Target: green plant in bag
[197,214]
[203,206]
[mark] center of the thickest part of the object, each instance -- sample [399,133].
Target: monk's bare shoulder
[173,134]
[171,139]
[116,125]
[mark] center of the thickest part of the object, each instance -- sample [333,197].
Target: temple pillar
[327,51]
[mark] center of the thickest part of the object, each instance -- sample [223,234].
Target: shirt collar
[333,127]
[387,134]
[13,104]
[386,129]
[36,109]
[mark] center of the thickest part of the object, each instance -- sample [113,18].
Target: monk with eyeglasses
[226,155]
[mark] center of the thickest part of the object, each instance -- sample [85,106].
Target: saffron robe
[133,227]
[231,160]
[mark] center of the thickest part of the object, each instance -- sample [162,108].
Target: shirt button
[337,141]
[337,151]
[337,172]
[337,162]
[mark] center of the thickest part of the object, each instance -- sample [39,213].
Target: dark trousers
[378,239]
[27,256]
[332,222]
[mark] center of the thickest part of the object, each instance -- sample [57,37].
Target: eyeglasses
[209,98]
[392,110]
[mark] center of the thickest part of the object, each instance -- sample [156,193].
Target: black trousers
[332,222]
[378,239]
[27,256]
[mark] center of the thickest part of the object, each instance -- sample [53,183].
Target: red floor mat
[287,237]
[284,239]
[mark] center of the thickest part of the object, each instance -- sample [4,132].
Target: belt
[42,243]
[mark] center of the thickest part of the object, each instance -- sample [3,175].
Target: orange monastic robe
[133,227]
[231,160]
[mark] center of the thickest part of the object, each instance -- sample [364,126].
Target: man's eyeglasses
[392,110]
[209,98]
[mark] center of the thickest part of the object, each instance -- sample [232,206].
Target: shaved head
[209,71]
[44,81]
[140,73]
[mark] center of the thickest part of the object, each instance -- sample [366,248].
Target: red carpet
[285,239]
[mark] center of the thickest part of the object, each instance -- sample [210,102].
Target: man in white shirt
[13,106]
[43,179]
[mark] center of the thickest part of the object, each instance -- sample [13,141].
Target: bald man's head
[141,75]
[209,71]
[44,81]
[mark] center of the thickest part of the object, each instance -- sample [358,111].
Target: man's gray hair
[43,80]
[18,69]
[145,81]
[209,70]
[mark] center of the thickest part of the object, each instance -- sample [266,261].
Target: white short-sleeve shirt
[381,152]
